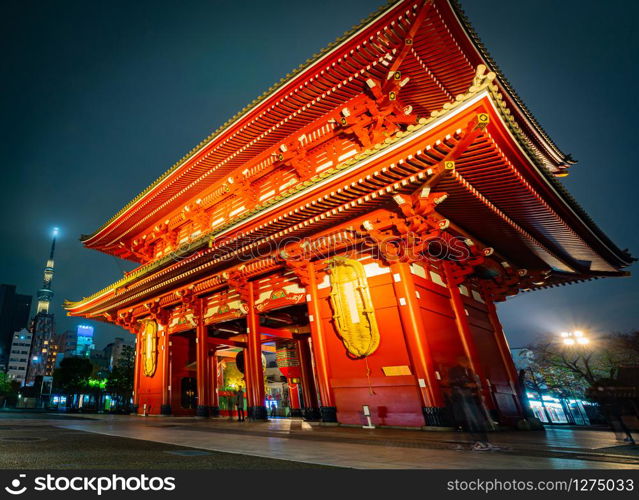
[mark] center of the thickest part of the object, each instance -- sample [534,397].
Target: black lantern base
[312,414]
[436,416]
[257,413]
[328,413]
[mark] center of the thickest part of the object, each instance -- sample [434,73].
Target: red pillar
[253,360]
[214,404]
[504,351]
[202,362]
[328,410]
[466,336]
[136,373]
[165,343]
[311,410]
[415,335]
[294,397]
[248,383]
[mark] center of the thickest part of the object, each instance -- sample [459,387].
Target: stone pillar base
[495,415]
[165,410]
[312,414]
[202,411]
[328,413]
[435,416]
[296,412]
[257,413]
[214,411]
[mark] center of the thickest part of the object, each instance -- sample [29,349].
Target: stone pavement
[42,446]
[292,439]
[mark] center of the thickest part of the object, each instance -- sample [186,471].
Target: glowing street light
[574,338]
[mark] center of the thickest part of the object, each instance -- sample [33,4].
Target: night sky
[97,99]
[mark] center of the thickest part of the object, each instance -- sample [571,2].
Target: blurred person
[239,401]
[467,405]
[612,409]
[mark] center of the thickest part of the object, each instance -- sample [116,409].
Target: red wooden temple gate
[366,213]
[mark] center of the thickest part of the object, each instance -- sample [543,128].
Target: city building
[78,342]
[67,345]
[19,355]
[44,348]
[14,316]
[99,359]
[84,341]
[114,351]
[369,210]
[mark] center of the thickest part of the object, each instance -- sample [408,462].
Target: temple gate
[359,221]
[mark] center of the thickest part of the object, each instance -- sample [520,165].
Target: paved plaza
[45,440]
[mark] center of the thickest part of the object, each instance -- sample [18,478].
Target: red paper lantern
[288,360]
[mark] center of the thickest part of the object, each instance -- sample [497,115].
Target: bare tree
[577,367]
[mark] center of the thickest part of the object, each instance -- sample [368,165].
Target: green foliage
[97,383]
[8,390]
[73,375]
[7,386]
[120,381]
[233,378]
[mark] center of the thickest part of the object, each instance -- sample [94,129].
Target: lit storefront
[558,410]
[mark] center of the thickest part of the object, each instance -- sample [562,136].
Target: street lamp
[574,338]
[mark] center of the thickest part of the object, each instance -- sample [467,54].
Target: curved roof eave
[245,111]
[490,62]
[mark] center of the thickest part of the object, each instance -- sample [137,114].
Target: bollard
[367,414]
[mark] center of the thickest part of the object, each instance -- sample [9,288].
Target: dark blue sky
[97,99]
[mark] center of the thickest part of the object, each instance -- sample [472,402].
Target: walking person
[467,404]
[613,409]
[239,402]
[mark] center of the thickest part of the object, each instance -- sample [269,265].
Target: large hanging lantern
[288,361]
[353,310]
[149,347]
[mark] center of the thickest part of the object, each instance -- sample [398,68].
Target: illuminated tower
[44,346]
[45,294]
